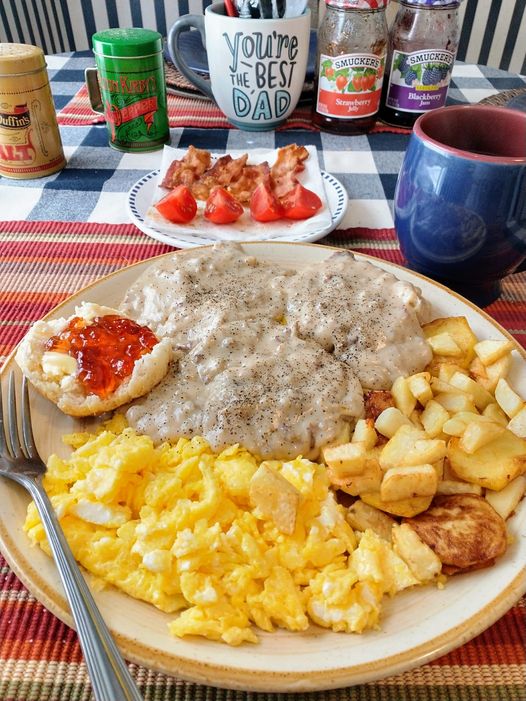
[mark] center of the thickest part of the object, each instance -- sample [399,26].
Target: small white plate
[142,193]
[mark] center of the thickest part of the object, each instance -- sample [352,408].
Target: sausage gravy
[270,357]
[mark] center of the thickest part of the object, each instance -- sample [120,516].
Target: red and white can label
[350,85]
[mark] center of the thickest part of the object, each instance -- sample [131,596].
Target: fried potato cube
[456,425]
[404,399]
[422,561]
[433,418]
[517,425]
[459,329]
[441,386]
[427,450]
[390,421]
[420,387]
[345,460]
[505,501]
[508,400]
[369,481]
[478,434]
[444,344]
[477,370]
[402,507]
[362,516]
[364,433]
[410,446]
[407,482]
[481,396]
[447,370]
[397,447]
[490,351]
[457,487]
[494,372]
[275,497]
[495,413]
[454,403]
[494,465]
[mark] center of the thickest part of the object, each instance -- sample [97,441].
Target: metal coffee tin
[30,145]
[131,90]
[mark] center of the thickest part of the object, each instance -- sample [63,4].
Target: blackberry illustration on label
[350,85]
[419,81]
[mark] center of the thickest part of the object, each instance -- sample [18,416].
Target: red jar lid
[358,4]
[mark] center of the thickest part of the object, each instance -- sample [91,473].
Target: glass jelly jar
[352,46]
[423,42]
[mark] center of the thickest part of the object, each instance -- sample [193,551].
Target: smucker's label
[419,81]
[350,85]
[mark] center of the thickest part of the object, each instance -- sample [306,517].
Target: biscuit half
[65,390]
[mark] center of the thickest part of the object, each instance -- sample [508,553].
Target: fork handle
[109,675]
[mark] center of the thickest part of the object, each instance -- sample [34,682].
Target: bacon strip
[189,169]
[288,164]
[196,172]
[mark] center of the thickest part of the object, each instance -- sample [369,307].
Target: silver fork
[20,461]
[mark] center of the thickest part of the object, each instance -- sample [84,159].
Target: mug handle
[181,25]
[92,83]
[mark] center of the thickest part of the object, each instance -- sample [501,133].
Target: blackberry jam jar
[423,42]
[352,47]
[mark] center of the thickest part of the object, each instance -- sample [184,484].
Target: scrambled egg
[174,526]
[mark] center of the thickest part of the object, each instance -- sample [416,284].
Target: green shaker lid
[133,42]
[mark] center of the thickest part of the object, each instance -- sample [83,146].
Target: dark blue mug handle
[183,24]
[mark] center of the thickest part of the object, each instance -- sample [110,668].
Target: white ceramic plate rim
[141,195]
[417,626]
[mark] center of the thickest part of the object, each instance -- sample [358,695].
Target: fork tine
[12,418]
[27,428]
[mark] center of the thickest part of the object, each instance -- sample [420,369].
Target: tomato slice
[222,207]
[178,206]
[300,203]
[264,205]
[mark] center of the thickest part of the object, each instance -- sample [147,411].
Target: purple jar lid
[432,3]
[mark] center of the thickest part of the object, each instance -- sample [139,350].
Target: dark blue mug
[460,198]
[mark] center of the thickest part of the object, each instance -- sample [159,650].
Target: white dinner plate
[141,196]
[416,625]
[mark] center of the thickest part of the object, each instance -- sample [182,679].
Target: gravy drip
[269,356]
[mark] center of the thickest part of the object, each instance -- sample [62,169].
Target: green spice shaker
[130,88]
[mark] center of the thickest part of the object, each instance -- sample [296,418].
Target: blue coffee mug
[460,198]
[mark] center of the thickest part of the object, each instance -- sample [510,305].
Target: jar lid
[433,3]
[358,4]
[133,42]
[20,58]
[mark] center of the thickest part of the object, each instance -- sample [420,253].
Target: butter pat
[55,364]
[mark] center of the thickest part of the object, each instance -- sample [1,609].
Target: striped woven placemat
[42,263]
[187,109]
